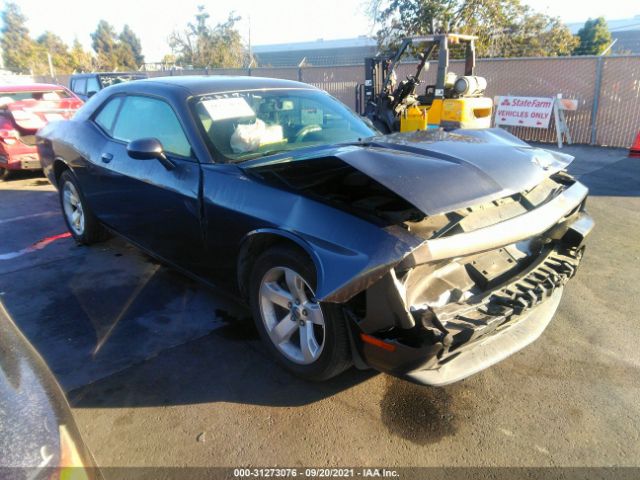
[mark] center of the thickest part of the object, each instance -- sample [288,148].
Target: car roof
[108,74]
[201,84]
[30,87]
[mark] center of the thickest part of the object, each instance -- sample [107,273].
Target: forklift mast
[383,103]
[377,70]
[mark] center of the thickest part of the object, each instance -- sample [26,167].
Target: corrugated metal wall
[617,114]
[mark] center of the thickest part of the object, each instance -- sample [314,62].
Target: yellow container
[413,118]
[471,112]
[435,112]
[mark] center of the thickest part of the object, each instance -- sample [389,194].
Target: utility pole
[250,51]
[51,73]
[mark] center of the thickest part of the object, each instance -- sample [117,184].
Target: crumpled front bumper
[490,349]
[461,339]
[477,336]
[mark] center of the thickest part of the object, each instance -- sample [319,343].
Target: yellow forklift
[453,102]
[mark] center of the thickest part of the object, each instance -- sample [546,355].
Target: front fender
[341,272]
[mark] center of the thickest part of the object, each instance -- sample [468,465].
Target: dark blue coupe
[429,255]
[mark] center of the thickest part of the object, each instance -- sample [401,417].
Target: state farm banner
[524,111]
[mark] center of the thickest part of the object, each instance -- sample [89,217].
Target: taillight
[9,135]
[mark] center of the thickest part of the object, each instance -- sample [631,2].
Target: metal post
[300,66]
[596,99]
[53,77]
[556,117]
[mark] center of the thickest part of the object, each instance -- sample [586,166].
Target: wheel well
[253,247]
[58,167]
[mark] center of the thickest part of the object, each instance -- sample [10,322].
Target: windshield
[246,125]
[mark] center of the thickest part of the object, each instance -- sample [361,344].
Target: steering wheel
[306,130]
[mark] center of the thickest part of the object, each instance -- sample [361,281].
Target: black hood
[439,171]
[433,170]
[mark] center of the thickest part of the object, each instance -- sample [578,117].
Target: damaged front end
[455,251]
[485,283]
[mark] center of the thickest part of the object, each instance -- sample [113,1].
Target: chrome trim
[504,233]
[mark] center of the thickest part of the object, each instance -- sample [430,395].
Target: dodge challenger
[428,255]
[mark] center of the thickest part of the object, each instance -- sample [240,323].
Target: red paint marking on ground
[39,245]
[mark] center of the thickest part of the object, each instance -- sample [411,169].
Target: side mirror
[149,149]
[91,94]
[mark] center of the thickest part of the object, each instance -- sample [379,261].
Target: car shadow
[606,171]
[110,315]
[619,179]
[119,329]
[228,365]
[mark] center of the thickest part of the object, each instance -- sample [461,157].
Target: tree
[129,38]
[81,60]
[50,43]
[594,37]
[116,52]
[504,27]
[105,43]
[203,46]
[125,58]
[18,48]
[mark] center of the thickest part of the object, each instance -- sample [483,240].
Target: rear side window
[92,85]
[79,86]
[144,117]
[108,114]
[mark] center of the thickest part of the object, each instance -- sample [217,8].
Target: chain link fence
[607,89]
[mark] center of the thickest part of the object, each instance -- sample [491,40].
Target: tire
[273,273]
[5,174]
[88,229]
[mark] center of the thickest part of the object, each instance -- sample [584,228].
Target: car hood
[438,171]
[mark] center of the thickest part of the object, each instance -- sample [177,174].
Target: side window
[107,114]
[143,117]
[92,85]
[80,85]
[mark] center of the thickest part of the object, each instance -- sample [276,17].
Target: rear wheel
[308,337]
[81,222]
[5,174]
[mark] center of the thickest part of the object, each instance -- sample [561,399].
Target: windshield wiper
[265,153]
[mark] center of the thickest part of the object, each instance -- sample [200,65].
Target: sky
[271,21]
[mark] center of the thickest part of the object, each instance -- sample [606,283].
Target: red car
[23,110]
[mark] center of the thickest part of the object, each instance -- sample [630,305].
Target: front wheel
[83,225]
[307,337]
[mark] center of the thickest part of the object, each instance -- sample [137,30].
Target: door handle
[106,157]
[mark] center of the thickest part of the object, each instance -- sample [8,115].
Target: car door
[156,207]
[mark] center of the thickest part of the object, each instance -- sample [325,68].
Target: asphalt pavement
[160,371]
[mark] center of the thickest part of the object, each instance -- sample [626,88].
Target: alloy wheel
[291,315]
[73,208]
